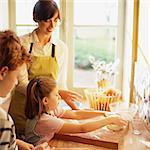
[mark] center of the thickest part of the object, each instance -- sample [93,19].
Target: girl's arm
[92,125]
[81,114]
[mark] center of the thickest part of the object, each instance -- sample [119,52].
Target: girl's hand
[23,145]
[69,97]
[43,146]
[114,119]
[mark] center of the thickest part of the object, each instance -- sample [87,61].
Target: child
[12,57]
[45,118]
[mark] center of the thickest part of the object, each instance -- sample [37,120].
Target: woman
[49,59]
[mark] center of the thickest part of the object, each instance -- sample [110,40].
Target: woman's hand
[23,145]
[69,97]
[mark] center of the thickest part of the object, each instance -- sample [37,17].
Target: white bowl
[125,110]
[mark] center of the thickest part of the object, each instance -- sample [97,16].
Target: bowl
[126,110]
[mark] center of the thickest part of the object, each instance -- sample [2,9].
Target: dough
[114,127]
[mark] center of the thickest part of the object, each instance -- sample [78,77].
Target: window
[95,33]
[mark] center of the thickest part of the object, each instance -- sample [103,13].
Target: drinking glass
[126,111]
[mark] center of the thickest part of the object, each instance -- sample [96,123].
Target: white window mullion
[62,32]
[120,42]
[69,29]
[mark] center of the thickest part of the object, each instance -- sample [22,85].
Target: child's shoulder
[3,114]
[46,116]
[5,118]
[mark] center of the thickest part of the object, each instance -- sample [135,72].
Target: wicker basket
[99,101]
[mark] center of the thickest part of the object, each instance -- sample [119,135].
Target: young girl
[45,118]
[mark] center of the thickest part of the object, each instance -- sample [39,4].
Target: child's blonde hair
[37,89]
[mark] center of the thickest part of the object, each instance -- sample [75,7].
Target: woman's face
[48,26]
[53,99]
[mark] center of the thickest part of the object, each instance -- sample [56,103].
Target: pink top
[49,124]
[46,126]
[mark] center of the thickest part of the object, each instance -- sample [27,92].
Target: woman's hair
[12,53]
[37,89]
[45,9]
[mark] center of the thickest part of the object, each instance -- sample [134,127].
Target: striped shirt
[7,132]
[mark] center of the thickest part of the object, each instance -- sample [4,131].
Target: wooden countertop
[131,141]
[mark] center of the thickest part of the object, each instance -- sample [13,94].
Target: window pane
[24,11]
[95,12]
[21,30]
[3,14]
[97,41]
[95,33]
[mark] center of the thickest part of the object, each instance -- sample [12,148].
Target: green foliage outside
[101,49]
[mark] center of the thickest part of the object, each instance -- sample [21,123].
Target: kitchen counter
[130,142]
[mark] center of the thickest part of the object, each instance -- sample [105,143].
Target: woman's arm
[92,125]
[81,114]
[62,57]
[70,97]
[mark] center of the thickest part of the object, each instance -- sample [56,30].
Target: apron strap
[53,50]
[31,46]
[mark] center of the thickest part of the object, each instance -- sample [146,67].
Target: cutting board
[102,137]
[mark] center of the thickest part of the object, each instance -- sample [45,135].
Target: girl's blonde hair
[37,89]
